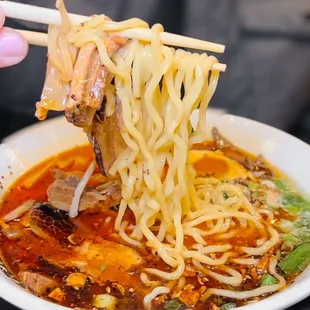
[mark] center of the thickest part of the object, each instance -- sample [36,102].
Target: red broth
[29,252]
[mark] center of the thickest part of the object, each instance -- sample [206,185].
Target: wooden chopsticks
[51,16]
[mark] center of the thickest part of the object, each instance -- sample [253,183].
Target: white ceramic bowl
[28,147]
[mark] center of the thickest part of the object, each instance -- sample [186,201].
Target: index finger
[2,17]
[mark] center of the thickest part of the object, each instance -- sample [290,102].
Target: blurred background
[268,58]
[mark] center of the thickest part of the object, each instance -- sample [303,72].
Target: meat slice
[87,87]
[86,104]
[60,194]
[48,223]
[36,282]
[79,80]
[106,136]
[88,83]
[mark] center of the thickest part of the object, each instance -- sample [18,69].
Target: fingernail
[12,45]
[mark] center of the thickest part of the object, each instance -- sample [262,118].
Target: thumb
[13,47]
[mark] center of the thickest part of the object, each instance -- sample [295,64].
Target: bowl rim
[281,300]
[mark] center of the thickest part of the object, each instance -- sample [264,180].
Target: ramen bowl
[26,148]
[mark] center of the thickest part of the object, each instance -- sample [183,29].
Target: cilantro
[267,279]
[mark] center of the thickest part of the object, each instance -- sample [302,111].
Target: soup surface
[84,263]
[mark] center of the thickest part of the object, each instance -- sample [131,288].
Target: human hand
[13,46]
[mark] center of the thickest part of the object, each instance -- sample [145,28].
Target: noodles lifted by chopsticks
[134,100]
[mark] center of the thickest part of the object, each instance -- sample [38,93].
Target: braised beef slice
[87,87]
[86,104]
[106,137]
[47,221]
[36,282]
[60,194]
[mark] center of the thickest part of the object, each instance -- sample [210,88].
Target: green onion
[174,304]
[102,268]
[291,241]
[228,306]
[267,279]
[296,261]
[281,184]
[292,209]
[273,208]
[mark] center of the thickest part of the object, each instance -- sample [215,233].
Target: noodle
[234,279]
[146,281]
[266,246]
[159,88]
[256,292]
[126,238]
[149,297]
[79,190]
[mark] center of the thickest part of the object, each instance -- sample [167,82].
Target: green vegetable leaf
[267,279]
[302,233]
[292,199]
[228,306]
[281,184]
[102,268]
[174,304]
[302,227]
[303,220]
[296,261]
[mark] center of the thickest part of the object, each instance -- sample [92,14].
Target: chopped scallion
[296,261]
[267,279]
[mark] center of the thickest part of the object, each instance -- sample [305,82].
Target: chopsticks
[34,38]
[40,39]
[51,16]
